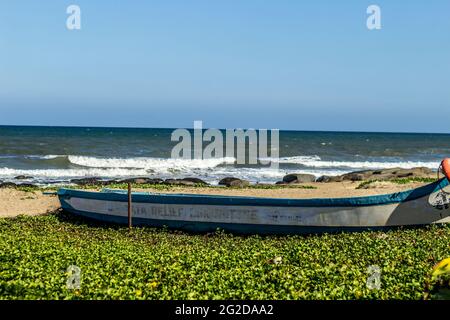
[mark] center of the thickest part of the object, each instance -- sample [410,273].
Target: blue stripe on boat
[398,197]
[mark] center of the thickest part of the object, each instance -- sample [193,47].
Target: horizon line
[166,128]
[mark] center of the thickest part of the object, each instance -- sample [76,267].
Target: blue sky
[287,64]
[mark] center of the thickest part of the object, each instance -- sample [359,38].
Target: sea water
[58,154]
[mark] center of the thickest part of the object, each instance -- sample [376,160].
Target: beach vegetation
[148,263]
[158,187]
[366,183]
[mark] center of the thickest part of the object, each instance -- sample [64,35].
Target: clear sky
[287,64]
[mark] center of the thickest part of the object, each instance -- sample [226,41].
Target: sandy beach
[14,202]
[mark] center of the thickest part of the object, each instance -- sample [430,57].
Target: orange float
[446,167]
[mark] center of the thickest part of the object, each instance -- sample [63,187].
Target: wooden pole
[129,206]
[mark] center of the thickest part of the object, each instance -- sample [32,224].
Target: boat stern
[63,196]
[445,165]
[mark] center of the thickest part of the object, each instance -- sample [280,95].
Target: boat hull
[201,213]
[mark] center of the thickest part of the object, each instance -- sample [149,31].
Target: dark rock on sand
[389,174]
[195,180]
[228,180]
[7,185]
[142,180]
[22,177]
[234,182]
[299,178]
[26,185]
[355,176]
[185,182]
[87,181]
[382,175]
[107,182]
[13,185]
[420,172]
[329,179]
[93,182]
[262,184]
[178,182]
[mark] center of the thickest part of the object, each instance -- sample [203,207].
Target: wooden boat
[425,205]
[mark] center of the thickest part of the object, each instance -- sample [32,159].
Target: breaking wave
[148,163]
[66,167]
[316,162]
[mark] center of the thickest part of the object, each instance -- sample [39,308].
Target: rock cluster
[292,178]
[382,175]
[234,182]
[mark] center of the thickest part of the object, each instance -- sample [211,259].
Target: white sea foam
[168,164]
[212,175]
[32,156]
[44,157]
[293,160]
[211,170]
[70,173]
[163,164]
[316,162]
[266,174]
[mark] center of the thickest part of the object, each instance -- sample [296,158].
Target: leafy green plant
[159,187]
[279,186]
[148,263]
[438,288]
[364,184]
[411,180]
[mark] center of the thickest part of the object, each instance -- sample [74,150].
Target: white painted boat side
[414,212]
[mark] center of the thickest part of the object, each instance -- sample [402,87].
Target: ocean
[58,154]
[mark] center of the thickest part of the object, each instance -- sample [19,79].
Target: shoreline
[385,174]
